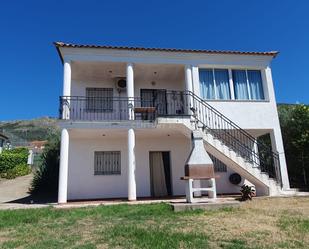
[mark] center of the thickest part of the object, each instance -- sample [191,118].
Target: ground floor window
[107,163]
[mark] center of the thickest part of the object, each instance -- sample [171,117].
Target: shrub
[19,170]
[19,150]
[247,192]
[45,180]
[10,159]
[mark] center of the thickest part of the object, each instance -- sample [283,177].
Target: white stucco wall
[83,184]
[78,87]
[247,114]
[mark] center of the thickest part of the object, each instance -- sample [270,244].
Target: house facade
[127,115]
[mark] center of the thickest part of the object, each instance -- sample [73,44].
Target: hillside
[20,132]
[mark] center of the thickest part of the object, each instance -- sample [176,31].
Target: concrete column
[63,170]
[196,80]
[188,78]
[66,88]
[277,146]
[255,149]
[131,166]
[275,134]
[130,89]
[67,78]
[188,87]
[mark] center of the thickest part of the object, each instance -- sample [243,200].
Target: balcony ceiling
[101,70]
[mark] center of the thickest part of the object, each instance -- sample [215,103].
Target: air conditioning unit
[235,178]
[121,84]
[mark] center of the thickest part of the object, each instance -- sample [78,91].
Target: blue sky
[31,72]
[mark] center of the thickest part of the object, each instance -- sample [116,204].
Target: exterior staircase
[233,146]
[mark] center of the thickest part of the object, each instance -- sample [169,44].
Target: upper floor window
[214,83]
[248,84]
[245,84]
[99,99]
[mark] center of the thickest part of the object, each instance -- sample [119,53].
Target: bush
[45,180]
[19,150]
[19,170]
[247,192]
[11,160]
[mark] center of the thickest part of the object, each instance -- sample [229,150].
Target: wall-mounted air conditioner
[121,84]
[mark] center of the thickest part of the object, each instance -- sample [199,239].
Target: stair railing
[214,122]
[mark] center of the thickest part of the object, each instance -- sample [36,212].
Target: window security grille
[99,99]
[107,163]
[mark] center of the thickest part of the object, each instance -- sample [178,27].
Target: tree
[294,121]
[45,180]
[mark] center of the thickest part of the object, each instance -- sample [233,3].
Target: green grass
[263,223]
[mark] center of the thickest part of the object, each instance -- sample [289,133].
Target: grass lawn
[262,223]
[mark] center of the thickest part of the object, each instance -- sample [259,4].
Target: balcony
[152,105]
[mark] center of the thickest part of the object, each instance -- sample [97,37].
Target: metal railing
[214,122]
[79,108]
[176,103]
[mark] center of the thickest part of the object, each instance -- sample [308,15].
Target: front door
[160,173]
[154,98]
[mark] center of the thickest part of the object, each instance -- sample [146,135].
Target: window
[99,99]
[248,84]
[218,165]
[107,163]
[214,84]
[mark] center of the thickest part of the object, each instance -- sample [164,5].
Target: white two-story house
[127,115]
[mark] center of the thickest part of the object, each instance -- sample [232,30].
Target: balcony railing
[79,108]
[174,103]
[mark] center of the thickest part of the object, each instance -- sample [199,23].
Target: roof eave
[59,45]
[56,44]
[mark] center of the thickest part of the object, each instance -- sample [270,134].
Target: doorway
[155,98]
[160,173]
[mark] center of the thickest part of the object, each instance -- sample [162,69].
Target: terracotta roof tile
[70,45]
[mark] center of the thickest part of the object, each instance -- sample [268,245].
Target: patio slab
[209,204]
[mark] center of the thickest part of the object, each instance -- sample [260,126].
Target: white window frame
[231,83]
[215,85]
[248,86]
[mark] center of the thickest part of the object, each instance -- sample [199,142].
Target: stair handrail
[228,120]
[251,139]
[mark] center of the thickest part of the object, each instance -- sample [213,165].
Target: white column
[66,88]
[189,87]
[130,89]
[275,135]
[131,166]
[188,78]
[277,146]
[131,135]
[67,78]
[196,80]
[63,170]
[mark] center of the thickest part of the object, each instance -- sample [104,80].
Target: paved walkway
[14,193]
[14,189]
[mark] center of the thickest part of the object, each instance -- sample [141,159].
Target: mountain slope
[20,132]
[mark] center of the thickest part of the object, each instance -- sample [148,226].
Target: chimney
[199,165]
